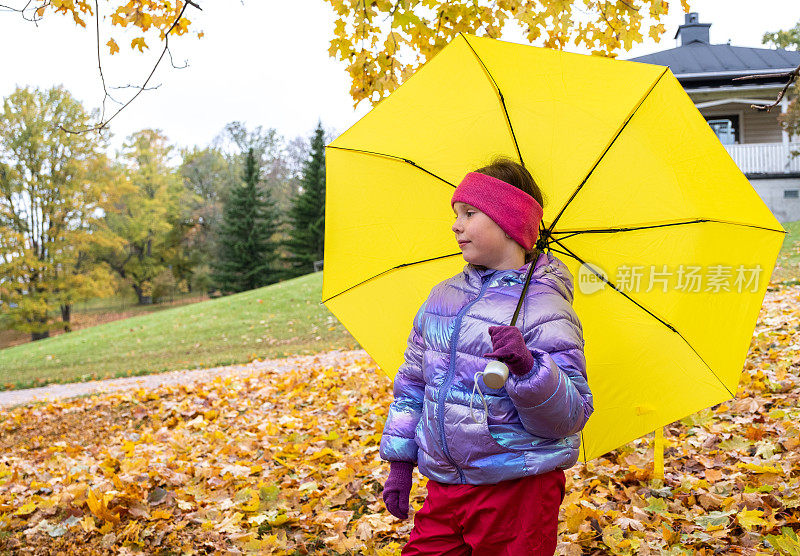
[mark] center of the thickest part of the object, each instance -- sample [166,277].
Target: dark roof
[700,64]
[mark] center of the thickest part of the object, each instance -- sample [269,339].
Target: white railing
[766,158]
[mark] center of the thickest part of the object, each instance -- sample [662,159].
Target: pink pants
[511,518]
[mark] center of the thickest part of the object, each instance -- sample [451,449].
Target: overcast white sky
[266,62]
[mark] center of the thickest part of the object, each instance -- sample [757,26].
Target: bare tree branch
[791,75]
[143,87]
[100,65]
[172,62]
[32,18]
[132,86]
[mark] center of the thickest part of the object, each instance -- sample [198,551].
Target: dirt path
[53,392]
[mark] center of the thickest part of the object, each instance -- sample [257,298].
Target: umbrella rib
[659,319]
[649,226]
[389,270]
[608,147]
[551,248]
[393,157]
[584,448]
[502,99]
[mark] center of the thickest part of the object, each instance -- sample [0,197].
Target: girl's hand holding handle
[397,490]
[509,347]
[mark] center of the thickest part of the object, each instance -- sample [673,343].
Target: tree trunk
[39,321]
[66,314]
[143,299]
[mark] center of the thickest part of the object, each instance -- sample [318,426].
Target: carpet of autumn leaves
[287,463]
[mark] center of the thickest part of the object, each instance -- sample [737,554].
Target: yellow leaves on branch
[71,7]
[385,41]
[146,15]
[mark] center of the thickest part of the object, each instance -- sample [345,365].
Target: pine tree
[307,214]
[247,254]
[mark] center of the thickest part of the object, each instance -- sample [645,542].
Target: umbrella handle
[495,374]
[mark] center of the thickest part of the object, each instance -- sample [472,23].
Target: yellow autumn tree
[142,214]
[51,185]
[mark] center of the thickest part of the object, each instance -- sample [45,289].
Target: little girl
[496,481]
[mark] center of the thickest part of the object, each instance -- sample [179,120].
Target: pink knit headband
[517,213]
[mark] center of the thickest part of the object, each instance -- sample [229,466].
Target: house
[754,139]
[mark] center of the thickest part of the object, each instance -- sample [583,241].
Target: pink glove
[509,347]
[397,490]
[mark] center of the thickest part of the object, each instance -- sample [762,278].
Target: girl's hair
[505,169]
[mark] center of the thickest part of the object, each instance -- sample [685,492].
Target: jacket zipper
[451,373]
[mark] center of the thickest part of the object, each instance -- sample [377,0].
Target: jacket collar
[549,270]
[479,274]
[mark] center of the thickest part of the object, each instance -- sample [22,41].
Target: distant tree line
[243,212]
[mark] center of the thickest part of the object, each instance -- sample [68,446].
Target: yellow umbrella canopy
[670,246]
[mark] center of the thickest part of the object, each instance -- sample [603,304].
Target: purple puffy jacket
[533,422]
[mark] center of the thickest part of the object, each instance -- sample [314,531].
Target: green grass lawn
[788,263]
[275,321]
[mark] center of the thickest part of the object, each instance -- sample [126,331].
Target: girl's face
[483,242]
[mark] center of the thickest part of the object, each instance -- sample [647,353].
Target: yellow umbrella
[635,184]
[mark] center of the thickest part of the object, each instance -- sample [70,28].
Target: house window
[791,193]
[725,127]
